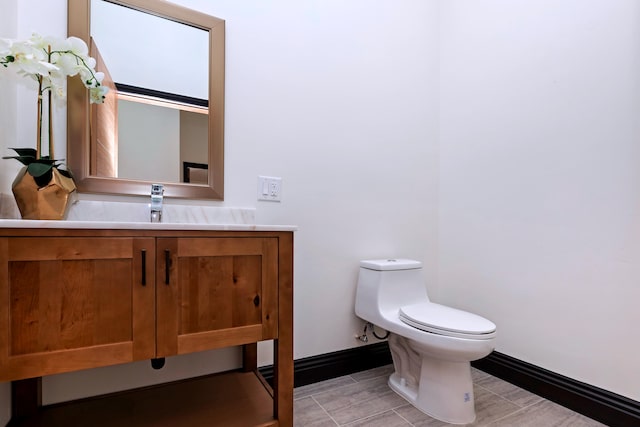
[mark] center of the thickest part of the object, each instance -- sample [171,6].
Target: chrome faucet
[157,192]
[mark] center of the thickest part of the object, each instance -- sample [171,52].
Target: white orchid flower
[90,62]
[97,94]
[58,90]
[78,46]
[53,59]
[48,61]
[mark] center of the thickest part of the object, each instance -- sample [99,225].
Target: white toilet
[431,344]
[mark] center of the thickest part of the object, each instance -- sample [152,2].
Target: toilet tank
[386,285]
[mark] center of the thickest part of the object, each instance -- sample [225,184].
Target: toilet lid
[443,320]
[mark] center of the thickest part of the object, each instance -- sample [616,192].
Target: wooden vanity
[80,298]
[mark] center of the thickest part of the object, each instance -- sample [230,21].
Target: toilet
[432,345]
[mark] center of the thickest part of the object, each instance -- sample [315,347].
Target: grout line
[502,418]
[509,400]
[369,415]
[408,422]
[324,410]
[338,387]
[373,415]
[520,408]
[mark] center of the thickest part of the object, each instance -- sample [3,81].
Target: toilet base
[444,392]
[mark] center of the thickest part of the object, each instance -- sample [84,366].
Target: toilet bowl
[432,345]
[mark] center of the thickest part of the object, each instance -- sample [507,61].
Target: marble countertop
[123,225]
[87,214]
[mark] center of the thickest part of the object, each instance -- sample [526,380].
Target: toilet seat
[443,320]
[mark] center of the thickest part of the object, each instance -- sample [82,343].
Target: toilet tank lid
[390,264]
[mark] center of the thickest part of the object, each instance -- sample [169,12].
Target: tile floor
[365,399]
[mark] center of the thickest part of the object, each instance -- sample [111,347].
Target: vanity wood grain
[73,299]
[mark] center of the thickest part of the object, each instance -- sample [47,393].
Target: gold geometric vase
[48,202]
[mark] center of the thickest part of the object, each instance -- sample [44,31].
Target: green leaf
[66,172]
[25,160]
[46,161]
[37,169]
[25,152]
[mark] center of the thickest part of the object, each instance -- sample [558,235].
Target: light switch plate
[269,188]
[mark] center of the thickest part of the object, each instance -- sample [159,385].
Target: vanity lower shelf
[230,399]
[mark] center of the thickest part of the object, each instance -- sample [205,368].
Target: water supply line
[363,337]
[372,327]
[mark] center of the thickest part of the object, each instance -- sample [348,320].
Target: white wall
[540,180]
[8,124]
[535,179]
[8,89]
[339,99]
[148,142]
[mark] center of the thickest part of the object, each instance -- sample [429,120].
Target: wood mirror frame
[78,108]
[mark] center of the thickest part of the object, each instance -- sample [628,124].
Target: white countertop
[101,215]
[122,225]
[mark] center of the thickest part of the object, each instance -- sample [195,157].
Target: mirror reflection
[166,106]
[164,116]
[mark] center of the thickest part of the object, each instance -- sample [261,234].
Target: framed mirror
[161,124]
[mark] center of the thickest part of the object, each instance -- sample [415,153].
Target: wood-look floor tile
[382,371]
[547,414]
[491,407]
[386,419]
[307,412]
[512,393]
[477,374]
[367,408]
[417,418]
[351,394]
[322,386]
[360,400]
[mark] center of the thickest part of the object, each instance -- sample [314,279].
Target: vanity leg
[250,357]
[282,384]
[26,397]
[283,346]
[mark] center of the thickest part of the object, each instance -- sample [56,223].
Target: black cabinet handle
[167,265]
[144,267]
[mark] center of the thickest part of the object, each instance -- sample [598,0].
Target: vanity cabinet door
[70,303]
[215,292]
